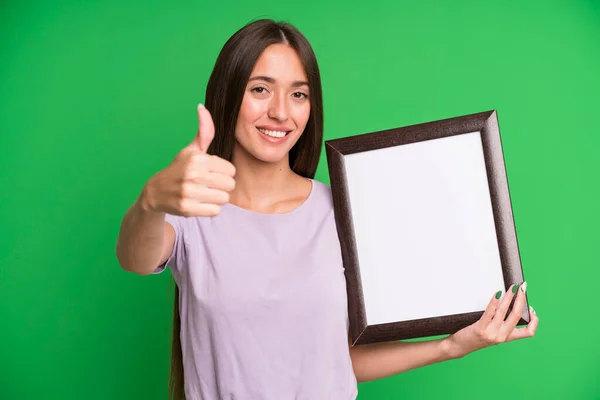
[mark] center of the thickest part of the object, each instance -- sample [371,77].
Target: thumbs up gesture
[195,183]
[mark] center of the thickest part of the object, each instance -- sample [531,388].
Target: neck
[259,184]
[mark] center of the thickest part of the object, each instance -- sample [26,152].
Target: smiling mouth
[274,134]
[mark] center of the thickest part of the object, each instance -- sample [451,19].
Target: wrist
[450,349]
[144,200]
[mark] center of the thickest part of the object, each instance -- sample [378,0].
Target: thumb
[206,129]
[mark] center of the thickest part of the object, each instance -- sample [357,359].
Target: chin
[272,157]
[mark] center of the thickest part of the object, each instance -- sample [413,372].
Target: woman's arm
[194,184]
[380,360]
[145,239]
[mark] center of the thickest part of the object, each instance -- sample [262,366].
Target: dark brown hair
[224,94]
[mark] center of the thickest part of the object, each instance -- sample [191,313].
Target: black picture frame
[483,125]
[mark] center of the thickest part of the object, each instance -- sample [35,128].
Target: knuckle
[226,197]
[227,184]
[489,336]
[182,205]
[211,159]
[498,338]
[214,211]
[219,198]
[196,157]
[532,332]
[481,334]
[189,172]
[184,192]
[185,214]
[186,157]
[200,161]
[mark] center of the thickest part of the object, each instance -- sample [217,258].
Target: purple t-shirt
[263,304]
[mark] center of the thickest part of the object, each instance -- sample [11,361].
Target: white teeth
[277,134]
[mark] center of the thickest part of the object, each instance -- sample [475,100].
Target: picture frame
[426,226]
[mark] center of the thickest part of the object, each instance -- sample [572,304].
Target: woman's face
[275,107]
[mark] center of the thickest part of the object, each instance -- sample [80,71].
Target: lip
[275,128]
[274,140]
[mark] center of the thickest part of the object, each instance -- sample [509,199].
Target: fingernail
[531,310]
[200,105]
[514,289]
[523,287]
[498,294]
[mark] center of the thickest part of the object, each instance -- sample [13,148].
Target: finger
[202,209]
[528,331]
[206,129]
[517,311]
[201,194]
[217,181]
[221,166]
[488,314]
[500,313]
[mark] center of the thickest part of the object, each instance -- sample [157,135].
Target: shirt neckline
[256,214]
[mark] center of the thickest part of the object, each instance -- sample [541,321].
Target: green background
[97,96]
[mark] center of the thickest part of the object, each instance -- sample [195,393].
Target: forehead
[281,62]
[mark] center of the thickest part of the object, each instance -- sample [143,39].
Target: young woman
[250,238]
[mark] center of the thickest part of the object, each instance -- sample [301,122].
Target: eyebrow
[272,80]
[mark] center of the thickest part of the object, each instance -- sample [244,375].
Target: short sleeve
[177,257]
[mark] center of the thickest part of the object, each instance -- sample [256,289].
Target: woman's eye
[300,95]
[259,89]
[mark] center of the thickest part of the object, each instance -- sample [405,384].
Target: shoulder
[321,186]
[322,193]
[181,224]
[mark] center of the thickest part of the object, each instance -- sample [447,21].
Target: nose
[278,108]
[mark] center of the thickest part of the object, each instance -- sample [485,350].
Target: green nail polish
[514,289]
[498,294]
[532,310]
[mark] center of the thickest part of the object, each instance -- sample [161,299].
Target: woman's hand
[494,327]
[195,183]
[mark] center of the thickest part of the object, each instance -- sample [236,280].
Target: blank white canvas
[424,229]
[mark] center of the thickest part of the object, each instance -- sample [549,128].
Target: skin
[265,182]
[260,179]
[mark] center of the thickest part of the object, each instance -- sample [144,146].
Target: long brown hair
[224,94]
